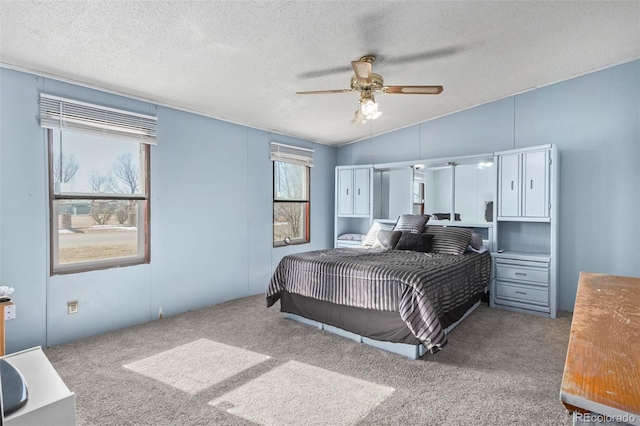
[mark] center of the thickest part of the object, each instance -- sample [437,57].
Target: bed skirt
[378,328]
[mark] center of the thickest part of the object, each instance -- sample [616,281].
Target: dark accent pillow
[449,239]
[476,241]
[388,239]
[425,241]
[411,222]
[408,241]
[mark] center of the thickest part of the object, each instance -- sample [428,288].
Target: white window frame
[60,114]
[142,219]
[302,157]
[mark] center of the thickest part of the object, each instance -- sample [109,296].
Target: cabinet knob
[521,292]
[520,274]
[358,191]
[347,191]
[512,185]
[531,184]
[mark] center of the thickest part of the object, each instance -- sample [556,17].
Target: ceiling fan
[367,82]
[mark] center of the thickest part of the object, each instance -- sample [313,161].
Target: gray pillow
[387,239]
[425,241]
[408,241]
[476,241]
[411,222]
[449,239]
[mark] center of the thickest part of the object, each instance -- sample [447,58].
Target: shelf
[523,255]
[460,224]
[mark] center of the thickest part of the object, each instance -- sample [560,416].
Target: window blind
[291,154]
[67,114]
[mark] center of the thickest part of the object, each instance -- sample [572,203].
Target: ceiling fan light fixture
[369,107]
[359,118]
[366,83]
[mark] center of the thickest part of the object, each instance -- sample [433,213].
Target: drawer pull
[521,292]
[520,274]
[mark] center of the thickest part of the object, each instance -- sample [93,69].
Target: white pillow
[372,235]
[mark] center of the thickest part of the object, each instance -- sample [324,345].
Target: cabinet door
[345,192]
[509,185]
[361,191]
[536,184]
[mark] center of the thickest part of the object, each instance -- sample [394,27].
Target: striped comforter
[421,287]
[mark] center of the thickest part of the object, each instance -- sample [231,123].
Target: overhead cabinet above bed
[354,188]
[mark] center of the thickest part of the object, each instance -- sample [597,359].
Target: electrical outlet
[10,312]
[72,307]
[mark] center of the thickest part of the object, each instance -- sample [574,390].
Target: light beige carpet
[196,366]
[277,397]
[239,363]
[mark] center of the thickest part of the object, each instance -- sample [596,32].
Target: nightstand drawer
[539,276]
[522,293]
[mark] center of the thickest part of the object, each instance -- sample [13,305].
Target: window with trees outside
[99,201]
[291,182]
[290,203]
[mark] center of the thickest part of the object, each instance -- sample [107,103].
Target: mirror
[473,190]
[437,190]
[395,192]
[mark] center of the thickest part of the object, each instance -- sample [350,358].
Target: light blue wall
[211,219]
[594,120]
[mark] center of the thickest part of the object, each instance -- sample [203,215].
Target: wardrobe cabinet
[354,196]
[523,185]
[353,191]
[525,265]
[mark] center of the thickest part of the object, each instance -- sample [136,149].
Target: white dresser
[50,402]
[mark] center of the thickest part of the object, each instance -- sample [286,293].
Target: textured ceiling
[244,61]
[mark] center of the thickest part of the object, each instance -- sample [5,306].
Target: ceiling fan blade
[363,71]
[413,90]
[324,92]
[323,72]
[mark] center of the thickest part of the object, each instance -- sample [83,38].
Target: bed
[398,300]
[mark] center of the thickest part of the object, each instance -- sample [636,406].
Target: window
[291,207]
[99,197]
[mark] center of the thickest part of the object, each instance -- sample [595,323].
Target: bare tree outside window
[100,210]
[125,175]
[65,168]
[125,179]
[98,183]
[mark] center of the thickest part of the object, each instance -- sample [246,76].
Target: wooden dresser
[602,369]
